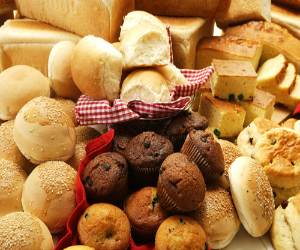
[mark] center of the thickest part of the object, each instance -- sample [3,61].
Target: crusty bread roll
[29,42]
[97,68]
[59,70]
[252,195]
[145,45]
[44,131]
[136,17]
[49,194]
[12,178]
[18,85]
[21,230]
[145,84]
[7,6]
[101,18]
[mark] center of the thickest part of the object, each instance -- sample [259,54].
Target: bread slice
[294,99]
[227,47]
[276,40]
[272,72]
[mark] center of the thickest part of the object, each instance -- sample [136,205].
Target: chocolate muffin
[202,148]
[105,179]
[179,127]
[145,154]
[120,141]
[180,186]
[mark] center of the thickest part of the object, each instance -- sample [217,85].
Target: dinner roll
[21,230]
[49,194]
[18,85]
[145,45]
[96,68]
[43,131]
[12,178]
[59,70]
[252,195]
[146,84]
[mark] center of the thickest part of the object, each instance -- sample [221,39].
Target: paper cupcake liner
[178,141]
[145,176]
[192,152]
[142,235]
[167,202]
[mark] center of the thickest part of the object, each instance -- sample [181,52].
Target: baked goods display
[125,51]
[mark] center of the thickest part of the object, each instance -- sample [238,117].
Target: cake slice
[262,105]
[204,88]
[225,118]
[233,80]
[271,72]
[294,99]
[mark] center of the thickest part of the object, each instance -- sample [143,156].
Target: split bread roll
[44,131]
[96,68]
[145,45]
[20,84]
[252,195]
[145,84]
[59,70]
[101,18]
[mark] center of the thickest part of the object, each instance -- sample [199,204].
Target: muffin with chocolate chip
[202,148]
[120,141]
[180,126]
[105,178]
[145,214]
[145,154]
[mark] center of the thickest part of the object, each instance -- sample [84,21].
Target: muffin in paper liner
[144,176]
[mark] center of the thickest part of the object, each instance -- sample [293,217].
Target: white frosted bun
[145,45]
[97,68]
[44,131]
[18,85]
[21,230]
[49,194]
[252,195]
[12,178]
[59,70]
[136,17]
[145,84]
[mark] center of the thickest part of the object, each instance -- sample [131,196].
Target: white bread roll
[44,131]
[145,84]
[138,17]
[97,68]
[101,18]
[21,230]
[49,194]
[12,178]
[18,85]
[59,70]
[145,45]
[252,195]
[172,75]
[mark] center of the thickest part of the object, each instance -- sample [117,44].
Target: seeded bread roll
[21,230]
[12,178]
[49,194]
[44,131]
[252,195]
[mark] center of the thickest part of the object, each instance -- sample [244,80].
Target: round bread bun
[252,195]
[49,194]
[12,178]
[136,17]
[97,68]
[79,247]
[145,84]
[9,150]
[289,123]
[18,85]
[69,105]
[285,231]
[218,217]
[44,131]
[145,45]
[21,230]
[59,70]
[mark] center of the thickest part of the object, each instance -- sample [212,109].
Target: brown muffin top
[103,174]
[120,141]
[209,148]
[182,180]
[148,150]
[185,122]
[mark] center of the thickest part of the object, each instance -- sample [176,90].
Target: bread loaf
[101,18]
